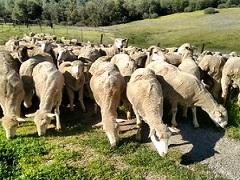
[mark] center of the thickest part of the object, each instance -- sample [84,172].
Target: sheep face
[10,125]
[112,134]
[42,120]
[219,116]
[119,42]
[157,55]
[46,46]
[77,69]
[160,136]
[22,53]
[62,55]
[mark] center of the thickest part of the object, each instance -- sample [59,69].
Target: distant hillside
[219,31]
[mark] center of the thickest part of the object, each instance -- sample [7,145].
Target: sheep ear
[50,115]
[20,119]
[164,71]
[30,115]
[152,132]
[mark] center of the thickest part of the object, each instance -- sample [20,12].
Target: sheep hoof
[196,126]
[174,124]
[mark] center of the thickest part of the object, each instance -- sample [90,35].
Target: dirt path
[208,146]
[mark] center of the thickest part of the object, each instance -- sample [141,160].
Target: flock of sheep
[140,79]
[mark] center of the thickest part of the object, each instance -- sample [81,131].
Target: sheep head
[112,133]
[77,69]
[156,54]
[10,124]
[219,116]
[160,135]
[42,120]
[118,42]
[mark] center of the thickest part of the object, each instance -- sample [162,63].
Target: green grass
[233,129]
[84,153]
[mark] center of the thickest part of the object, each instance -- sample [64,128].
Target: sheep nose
[163,154]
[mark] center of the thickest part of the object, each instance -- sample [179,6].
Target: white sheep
[145,94]
[11,94]
[115,48]
[230,76]
[48,83]
[107,85]
[74,80]
[183,88]
[188,65]
[213,65]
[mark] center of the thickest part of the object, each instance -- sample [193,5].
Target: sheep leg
[57,113]
[174,113]
[95,108]
[139,125]
[225,82]
[2,109]
[70,97]
[185,110]
[81,100]
[195,121]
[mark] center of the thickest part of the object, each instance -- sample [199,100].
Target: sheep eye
[157,138]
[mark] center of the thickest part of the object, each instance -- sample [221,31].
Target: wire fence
[83,34]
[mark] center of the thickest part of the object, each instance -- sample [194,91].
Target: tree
[25,10]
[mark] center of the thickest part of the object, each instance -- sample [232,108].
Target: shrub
[224,5]
[188,9]
[210,10]
[145,16]
[153,15]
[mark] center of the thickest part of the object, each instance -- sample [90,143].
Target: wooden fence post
[101,39]
[203,47]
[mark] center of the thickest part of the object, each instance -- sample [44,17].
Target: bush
[145,16]
[224,5]
[210,10]
[188,9]
[153,16]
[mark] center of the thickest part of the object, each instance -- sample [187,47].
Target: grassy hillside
[218,31]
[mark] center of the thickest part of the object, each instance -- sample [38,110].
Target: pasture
[81,152]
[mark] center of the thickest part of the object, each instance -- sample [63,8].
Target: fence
[83,34]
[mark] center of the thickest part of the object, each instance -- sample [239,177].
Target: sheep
[115,48]
[48,83]
[188,65]
[25,52]
[65,55]
[90,53]
[155,54]
[107,85]
[213,65]
[125,64]
[140,58]
[185,48]
[12,93]
[25,73]
[184,88]
[175,58]
[145,94]
[230,76]
[74,80]
[126,67]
